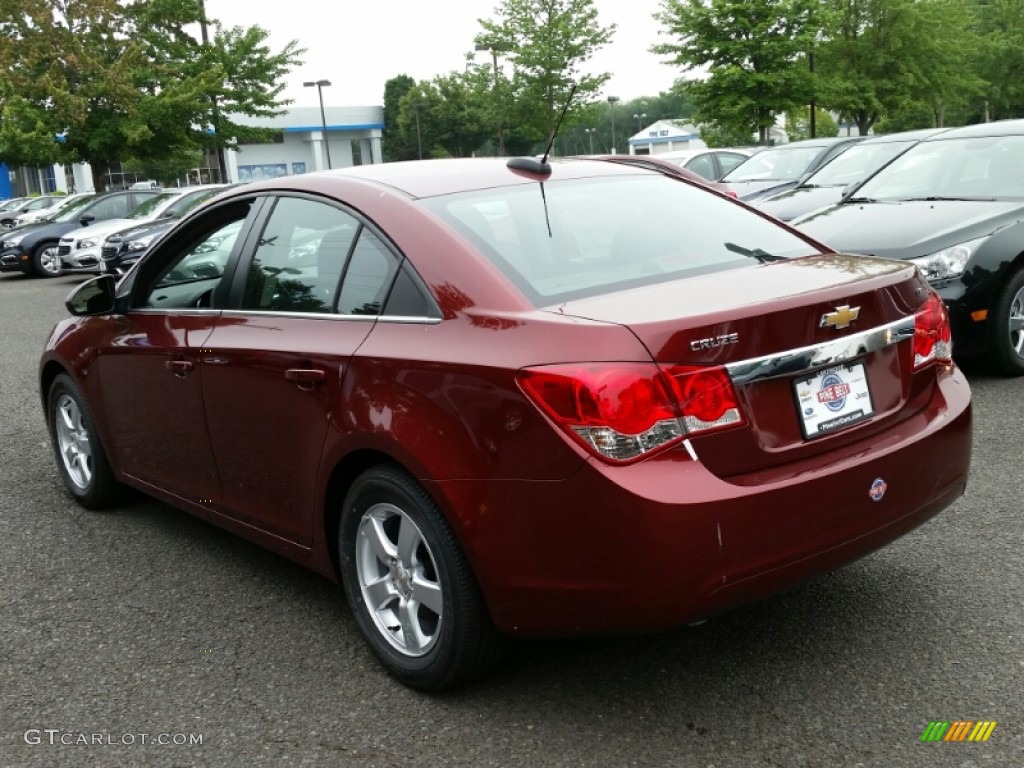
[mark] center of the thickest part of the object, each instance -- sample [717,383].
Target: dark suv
[33,248]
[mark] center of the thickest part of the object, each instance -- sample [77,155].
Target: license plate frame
[833,398]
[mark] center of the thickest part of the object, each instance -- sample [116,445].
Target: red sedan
[514,398]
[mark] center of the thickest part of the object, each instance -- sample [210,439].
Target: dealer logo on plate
[833,392]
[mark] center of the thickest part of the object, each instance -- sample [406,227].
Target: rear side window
[562,240]
[368,277]
[299,258]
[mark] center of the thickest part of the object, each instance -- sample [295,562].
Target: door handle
[180,368]
[305,378]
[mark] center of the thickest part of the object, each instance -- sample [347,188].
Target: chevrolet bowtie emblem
[841,318]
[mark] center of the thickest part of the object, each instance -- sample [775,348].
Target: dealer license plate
[833,398]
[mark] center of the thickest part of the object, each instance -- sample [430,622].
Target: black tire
[1007,327]
[81,460]
[45,261]
[446,648]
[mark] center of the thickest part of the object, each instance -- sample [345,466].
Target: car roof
[429,178]
[824,141]
[997,128]
[919,135]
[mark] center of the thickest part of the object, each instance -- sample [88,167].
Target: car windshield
[146,208]
[856,164]
[980,168]
[562,240]
[69,212]
[189,201]
[13,204]
[781,164]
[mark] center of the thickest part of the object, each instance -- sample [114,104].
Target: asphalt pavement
[144,637]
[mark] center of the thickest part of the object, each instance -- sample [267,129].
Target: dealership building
[304,140]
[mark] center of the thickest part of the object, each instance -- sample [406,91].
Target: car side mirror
[93,297]
[86,220]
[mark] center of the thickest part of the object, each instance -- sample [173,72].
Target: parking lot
[143,625]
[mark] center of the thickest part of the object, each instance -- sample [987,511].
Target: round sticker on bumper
[878,489]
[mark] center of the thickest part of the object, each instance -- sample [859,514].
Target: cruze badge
[841,318]
[715,341]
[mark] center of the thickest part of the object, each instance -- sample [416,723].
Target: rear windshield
[571,239]
[783,164]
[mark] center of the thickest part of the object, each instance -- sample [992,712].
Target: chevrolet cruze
[509,398]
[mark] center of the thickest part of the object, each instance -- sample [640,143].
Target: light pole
[319,84]
[417,106]
[494,90]
[639,118]
[611,106]
[590,133]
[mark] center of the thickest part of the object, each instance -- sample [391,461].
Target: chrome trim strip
[299,315]
[795,361]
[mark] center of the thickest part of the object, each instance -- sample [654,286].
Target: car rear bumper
[659,543]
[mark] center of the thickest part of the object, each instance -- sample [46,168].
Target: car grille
[108,252]
[64,250]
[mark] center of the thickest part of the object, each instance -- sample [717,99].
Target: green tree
[396,144]
[1000,58]
[754,54]
[546,42]
[798,124]
[117,81]
[883,55]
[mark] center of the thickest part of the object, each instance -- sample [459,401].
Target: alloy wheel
[398,579]
[73,443]
[49,260]
[1016,323]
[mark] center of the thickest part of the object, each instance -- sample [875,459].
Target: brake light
[932,336]
[706,398]
[625,411]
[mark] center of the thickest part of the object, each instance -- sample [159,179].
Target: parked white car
[31,217]
[80,250]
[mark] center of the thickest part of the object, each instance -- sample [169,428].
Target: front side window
[300,257]
[187,269]
[585,237]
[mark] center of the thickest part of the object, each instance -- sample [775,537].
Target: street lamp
[494,90]
[590,133]
[417,106]
[319,84]
[611,106]
[639,118]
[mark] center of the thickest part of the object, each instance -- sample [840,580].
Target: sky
[359,46]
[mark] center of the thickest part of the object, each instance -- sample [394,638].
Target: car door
[274,364]
[151,379]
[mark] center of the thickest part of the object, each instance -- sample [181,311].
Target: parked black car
[33,248]
[830,182]
[776,169]
[954,205]
[122,249]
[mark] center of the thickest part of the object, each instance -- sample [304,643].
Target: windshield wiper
[755,253]
[940,198]
[860,200]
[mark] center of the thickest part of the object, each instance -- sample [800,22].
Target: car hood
[907,229]
[751,190]
[33,233]
[101,228]
[144,230]
[798,201]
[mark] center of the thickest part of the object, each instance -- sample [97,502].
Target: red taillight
[932,337]
[706,398]
[623,411]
